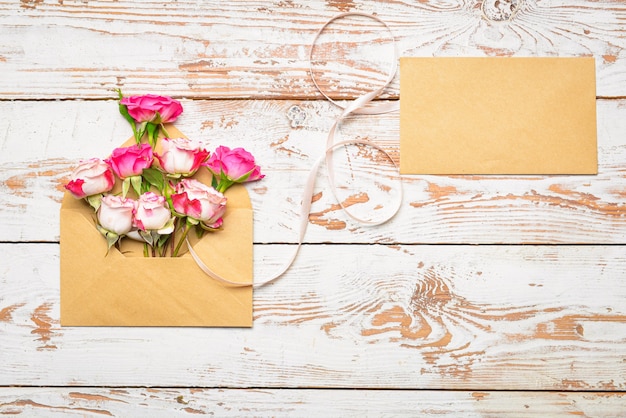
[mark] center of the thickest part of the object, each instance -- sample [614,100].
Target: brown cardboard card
[127,289]
[497,116]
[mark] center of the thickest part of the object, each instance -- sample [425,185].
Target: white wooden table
[484,296]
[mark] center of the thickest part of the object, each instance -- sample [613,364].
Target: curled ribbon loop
[356,107]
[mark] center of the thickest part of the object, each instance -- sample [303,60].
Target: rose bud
[152,108]
[181,156]
[130,161]
[237,165]
[152,213]
[91,177]
[199,202]
[116,214]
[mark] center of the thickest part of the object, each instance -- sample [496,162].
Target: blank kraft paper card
[498,116]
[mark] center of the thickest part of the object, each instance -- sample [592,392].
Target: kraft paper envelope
[127,289]
[498,116]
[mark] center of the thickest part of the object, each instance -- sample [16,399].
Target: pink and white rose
[152,108]
[116,214]
[182,156]
[236,165]
[130,161]
[199,202]
[91,177]
[153,214]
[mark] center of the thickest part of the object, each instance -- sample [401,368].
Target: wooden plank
[68,49]
[443,329]
[350,316]
[172,402]
[41,141]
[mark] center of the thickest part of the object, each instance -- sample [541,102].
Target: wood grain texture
[41,141]
[345,316]
[259,49]
[368,321]
[172,402]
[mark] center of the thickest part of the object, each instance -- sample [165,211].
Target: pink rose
[200,202]
[235,165]
[91,177]
[255,174]
[182,156]
[130,161]
[116,214]
[152,213]
[152,108]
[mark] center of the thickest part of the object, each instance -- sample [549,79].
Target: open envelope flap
[116,290]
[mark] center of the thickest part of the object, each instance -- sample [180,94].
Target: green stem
[224,185]
[145,249]
[172,240]
[153,133]
[182,238]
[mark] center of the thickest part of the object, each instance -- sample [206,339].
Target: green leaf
[136,182]
[162,240]
[154,177]
[165,133]
[139,132]
[124,112]
[127,116]
[147,236]
[94,201]
[112,238]
[125,187]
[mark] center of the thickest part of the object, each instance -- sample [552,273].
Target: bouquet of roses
[159,200]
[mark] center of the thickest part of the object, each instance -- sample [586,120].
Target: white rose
[116,214]
[182,156]
[152,213]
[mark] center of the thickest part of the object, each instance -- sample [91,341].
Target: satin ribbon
[356,107]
